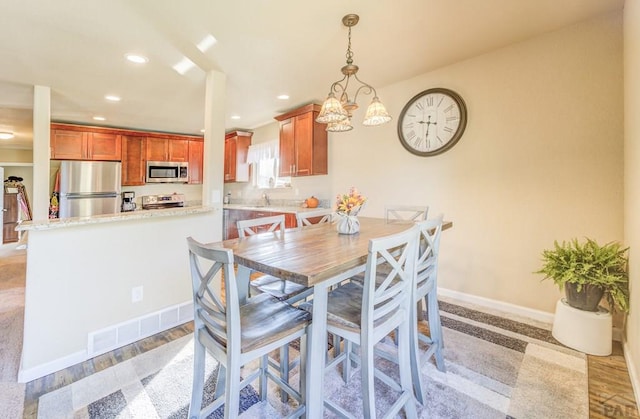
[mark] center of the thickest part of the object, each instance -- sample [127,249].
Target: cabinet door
[287,147]
[10,218]
[242,152]
[303,134]
[104,146]
[195,161]
[68,145]
[134,149]
[230,159]
[178,150]
[157,149]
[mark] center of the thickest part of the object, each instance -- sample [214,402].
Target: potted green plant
[587,271]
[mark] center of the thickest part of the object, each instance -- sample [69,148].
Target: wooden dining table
[315,256]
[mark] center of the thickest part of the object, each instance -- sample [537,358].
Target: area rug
[496,368]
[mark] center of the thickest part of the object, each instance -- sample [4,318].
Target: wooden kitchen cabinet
[196,149]
[303,143]
[165,149]
[10,218]
[83,143]
[134,149]
[236,149]
[232,216]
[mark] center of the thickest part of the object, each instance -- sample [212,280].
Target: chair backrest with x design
[427,260]
[308,218]
[220,319]
[385,297]
[405,213]
[260,225]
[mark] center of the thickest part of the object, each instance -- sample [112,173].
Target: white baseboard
[538,315]
[114,336]
[632,368]
[24,376]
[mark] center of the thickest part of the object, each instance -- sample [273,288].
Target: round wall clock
[432,122]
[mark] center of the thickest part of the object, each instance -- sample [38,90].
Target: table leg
[242,278]
[316,353]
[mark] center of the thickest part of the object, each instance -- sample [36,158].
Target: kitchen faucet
[265,197]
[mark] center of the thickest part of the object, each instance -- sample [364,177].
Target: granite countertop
[271,208]
[108,218]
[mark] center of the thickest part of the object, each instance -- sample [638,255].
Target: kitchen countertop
[270,208]
[109,218]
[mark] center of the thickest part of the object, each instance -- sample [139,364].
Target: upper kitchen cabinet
[195,161]
[76,142]
[236,149]
[303,143]
[165,149]
[134,149]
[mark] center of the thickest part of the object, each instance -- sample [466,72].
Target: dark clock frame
[456,136]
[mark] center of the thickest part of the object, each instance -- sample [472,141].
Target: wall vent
[118,335]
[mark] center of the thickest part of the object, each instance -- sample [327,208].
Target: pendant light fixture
[336,111]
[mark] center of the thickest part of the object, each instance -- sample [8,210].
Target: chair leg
[435,328]
[232,395]
[415,358]
[367,373]
[197,388]
[346,364]
[404,363]
[220,382]
[264,366]
[284,370]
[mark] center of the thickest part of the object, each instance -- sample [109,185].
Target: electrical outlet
[136,294]
[297,192]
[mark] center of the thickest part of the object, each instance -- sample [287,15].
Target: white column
[213,154]
[41,151]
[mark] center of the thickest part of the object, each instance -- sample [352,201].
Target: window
[264,158]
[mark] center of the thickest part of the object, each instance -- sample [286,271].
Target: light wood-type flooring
[610,391]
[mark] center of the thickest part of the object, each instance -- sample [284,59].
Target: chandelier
[337,108]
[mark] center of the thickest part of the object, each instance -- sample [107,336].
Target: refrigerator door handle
[84,195]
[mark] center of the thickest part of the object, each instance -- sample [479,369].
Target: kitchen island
[97,283]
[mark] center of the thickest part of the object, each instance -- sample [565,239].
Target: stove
[163,201]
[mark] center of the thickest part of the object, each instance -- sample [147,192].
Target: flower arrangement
[351,203]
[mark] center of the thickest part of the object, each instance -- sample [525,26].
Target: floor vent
[122,334]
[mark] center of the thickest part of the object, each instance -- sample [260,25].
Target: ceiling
[265,48]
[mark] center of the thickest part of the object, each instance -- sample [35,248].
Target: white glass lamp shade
[376,113]
[331,111]
[340,126]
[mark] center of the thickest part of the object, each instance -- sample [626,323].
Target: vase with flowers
[347,207]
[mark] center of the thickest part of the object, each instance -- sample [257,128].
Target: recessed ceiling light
[138,59]
[112,98]
[6,135]
[283,97]
[99,118]
[206,43]
[183,66]
[235,117]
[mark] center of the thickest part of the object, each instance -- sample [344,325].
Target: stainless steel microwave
[167,172]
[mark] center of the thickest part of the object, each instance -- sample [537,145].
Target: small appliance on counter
[163,201]
[128,203]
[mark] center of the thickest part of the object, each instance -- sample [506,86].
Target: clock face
[432,122]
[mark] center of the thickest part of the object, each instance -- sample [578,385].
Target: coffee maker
[128,203]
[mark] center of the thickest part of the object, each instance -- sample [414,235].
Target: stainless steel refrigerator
[89,188]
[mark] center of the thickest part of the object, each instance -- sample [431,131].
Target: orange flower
[351,203]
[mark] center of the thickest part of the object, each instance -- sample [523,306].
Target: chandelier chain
[349,52]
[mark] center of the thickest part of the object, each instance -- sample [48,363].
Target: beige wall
[10,155]
[541,159]
[632,181]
